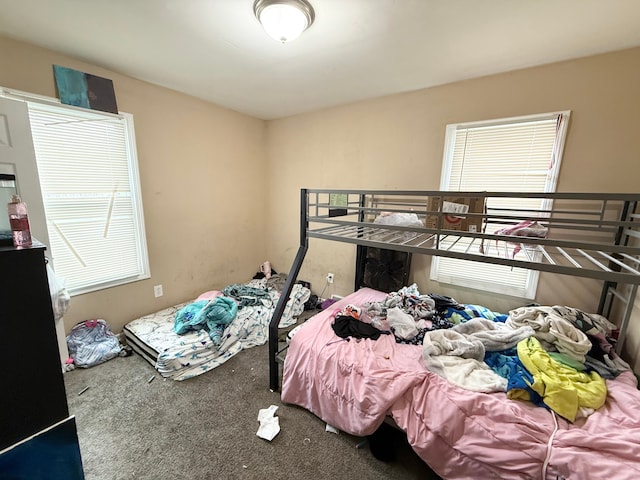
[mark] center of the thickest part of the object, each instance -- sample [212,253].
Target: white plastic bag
[399,219]
[59,295]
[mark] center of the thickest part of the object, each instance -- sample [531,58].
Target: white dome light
[284,20]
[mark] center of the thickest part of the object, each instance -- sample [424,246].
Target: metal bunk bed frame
[590,235]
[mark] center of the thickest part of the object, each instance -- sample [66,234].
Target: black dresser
[33,394]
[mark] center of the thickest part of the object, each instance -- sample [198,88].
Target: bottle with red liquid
[19,220]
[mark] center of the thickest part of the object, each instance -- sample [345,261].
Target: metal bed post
[360,254]
[628,308]
[604,304]
[286,291]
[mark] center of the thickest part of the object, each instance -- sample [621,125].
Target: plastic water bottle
[19,220]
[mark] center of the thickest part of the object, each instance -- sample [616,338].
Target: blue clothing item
[210,315]
[507,364]
[456,315]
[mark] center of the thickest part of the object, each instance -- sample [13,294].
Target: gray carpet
[205,428]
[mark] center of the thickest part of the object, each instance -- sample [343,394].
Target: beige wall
[397,142]
[201,169]
[219,166]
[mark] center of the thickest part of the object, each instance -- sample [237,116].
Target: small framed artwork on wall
[85,90]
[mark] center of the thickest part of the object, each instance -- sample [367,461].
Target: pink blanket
[354,384]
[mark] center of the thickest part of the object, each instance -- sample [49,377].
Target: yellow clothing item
[562,388]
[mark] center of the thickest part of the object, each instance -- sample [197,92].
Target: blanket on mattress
[181,357]
[354,384]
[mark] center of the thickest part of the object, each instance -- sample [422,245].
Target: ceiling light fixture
[284,20]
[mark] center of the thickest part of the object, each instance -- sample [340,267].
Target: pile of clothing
[556,357]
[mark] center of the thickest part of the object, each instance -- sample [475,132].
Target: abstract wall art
[85,90]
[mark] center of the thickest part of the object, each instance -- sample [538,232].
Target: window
[516,154]
[91,193]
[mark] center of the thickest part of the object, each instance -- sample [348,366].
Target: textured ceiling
[356,49]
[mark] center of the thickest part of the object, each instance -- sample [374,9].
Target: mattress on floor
[185,356]
[153,333]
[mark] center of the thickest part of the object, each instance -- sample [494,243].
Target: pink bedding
[354,384]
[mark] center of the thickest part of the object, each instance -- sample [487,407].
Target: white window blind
[520,155]
[91,193]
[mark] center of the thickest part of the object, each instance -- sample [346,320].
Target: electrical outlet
[329,277]
[157,291]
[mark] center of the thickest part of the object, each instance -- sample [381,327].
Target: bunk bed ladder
[610,289]
[286,292]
